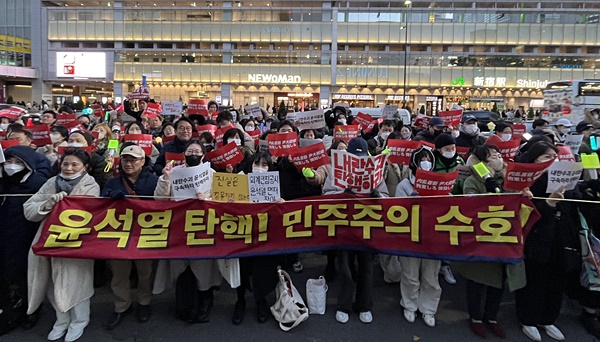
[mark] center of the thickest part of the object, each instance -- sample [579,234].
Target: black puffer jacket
[174,146]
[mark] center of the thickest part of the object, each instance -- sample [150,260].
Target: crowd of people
[35,178]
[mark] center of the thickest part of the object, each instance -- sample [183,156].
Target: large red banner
[227,155]
[459,228]
[282,144]
[311,156]
[519,176]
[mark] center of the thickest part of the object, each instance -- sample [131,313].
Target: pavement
[388,322]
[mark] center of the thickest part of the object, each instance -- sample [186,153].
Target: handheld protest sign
[175,158]
[361,174]
[40,135]
[198,106]
[264,186]
[463,152]
[401,150]
[212,129]
[451,117]
[363,120]
[429,183]
[563,174]
[519,176]
[230,186]
[345,132]
[229,154]
[152,110]
[311,156]
[142,140]
[282,144]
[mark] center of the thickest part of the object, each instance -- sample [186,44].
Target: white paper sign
[574,142]
[253,110]
[171,107]
[264,186]
[263,146]
[313,119]
[361,174]
[2,159]
[389,112]
[292,117]
[188,181]
[563,173]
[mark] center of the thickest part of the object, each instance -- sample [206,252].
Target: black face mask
[193,160]
[437,133]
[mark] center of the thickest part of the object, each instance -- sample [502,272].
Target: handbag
[590,255]
[289,308]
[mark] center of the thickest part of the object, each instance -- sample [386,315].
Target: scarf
[67,185]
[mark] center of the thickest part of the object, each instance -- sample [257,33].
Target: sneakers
[298,267]
[477,328]
[341,317]
[446,272]
[553,332]
[429,320]
[591,323]
[532,332]
[366,317]
[409,316]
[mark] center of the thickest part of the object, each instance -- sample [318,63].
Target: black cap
[444,139]
[583,126]
[358,147]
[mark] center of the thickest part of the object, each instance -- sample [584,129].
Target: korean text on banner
[363,120]
[313,119]
[361,174]
[141,93]
[97,108]
[401,150]
[422,121]
[448,228]
[519,176]
[171,107]
[152,110]
[142,140]
[253,110]
[89,149]
[565,154]
[41,135]
[563,173]
[389,112]
[282,144]
[220,133]
[574,142]
[230,187]
[370,127]
[176,158]
[451,117]
[227,155]
[264,186]
[345,132]
[311,156]
[197,107]
[11,113]
[66,120]
[212,129]
[186,182]
[255,135]
[508,149]
[519,129]
[429,183]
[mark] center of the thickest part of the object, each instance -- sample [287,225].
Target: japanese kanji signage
[463,229]
[282,144]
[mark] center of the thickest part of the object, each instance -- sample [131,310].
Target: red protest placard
[177,158]
[9,143]
[282,144]
[255,135]
[169,139]
[519,129]
[401,150]
[227,155]
[198,106]
[451,117]
[212,129]
[67,120]
[428,183]
[41,135]
[345,132]
[89,149]
[11,113]
[311,156]
[152,110]
[220,133]
[142,140]
[422,121]
[519,176]
[363,120]
[462,152]
[565,153]
[370,127]
[97,110]
[361,174]
[508,149]
[141,93]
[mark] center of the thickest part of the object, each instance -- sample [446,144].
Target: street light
[407,3]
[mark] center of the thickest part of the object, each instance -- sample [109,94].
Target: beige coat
[72,279]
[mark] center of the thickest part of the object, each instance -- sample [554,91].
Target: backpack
[186,296]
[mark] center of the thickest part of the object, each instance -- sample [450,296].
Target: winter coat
[373,143]
[16,237]
[137,115]
[143,186]
[425,135]
[73,279]
[405,188]
[293,183]
[51,153]
[589,118]
[320,175]
[174,146]
[443,168]
[394,174]
[470,141]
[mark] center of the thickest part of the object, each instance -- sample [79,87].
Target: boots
[205,303]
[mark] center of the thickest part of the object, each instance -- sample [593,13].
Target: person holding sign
[135,179]
[104,135]
[183,133]
[377,143]
[446,158]
[137,115]
[538,303]
[137,128]
[235,135]
[436,127]
[206,271]
[67,282]
[58,135]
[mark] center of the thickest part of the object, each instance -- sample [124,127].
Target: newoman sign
[274,78]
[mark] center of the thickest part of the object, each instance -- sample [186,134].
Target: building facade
[313,53]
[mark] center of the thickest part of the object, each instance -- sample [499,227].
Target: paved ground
[388,323]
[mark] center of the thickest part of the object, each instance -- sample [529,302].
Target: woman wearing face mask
[538,304]
[19,176]
[58,135]
[67,282]
[97,162]
[447,160]
[257,273]
[104,136]
[236,136]
[249,125]
[4,122]
[406,133]
[206,271]
[341,119]
[116,129]
[502,132]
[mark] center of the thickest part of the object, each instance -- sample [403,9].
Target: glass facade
[15,33]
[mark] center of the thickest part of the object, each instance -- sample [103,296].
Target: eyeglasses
[184,129]
[193,152]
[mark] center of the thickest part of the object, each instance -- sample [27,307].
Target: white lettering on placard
[268,78]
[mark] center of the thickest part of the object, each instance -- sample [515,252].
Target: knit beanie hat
[444,139]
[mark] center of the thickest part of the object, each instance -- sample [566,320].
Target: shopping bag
[316,295]
[289,308]
[230,270]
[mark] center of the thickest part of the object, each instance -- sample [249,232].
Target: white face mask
[258,169]
[564,130]
[496,164]
[249,128]
[406,136]
[11,169]
[425,165]
[506,136]
[74,144]
[449,154]
[236,141]
[116,128]
[455,134]
[3,126]
[471,129]
[343,121]
[101,135]
[75,176]
[55,137]
[385,135]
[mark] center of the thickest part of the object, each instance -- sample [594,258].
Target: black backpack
[186,296]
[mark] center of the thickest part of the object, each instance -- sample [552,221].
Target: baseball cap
[583,126]
[437,121]
[467,118]
[564,122]
[134,151]
[358,147]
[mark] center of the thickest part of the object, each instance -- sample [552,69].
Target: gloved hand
[117,194]
[54,199]
[375,193]
[491,186]
[349,191]
[386,151]
[308,172]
